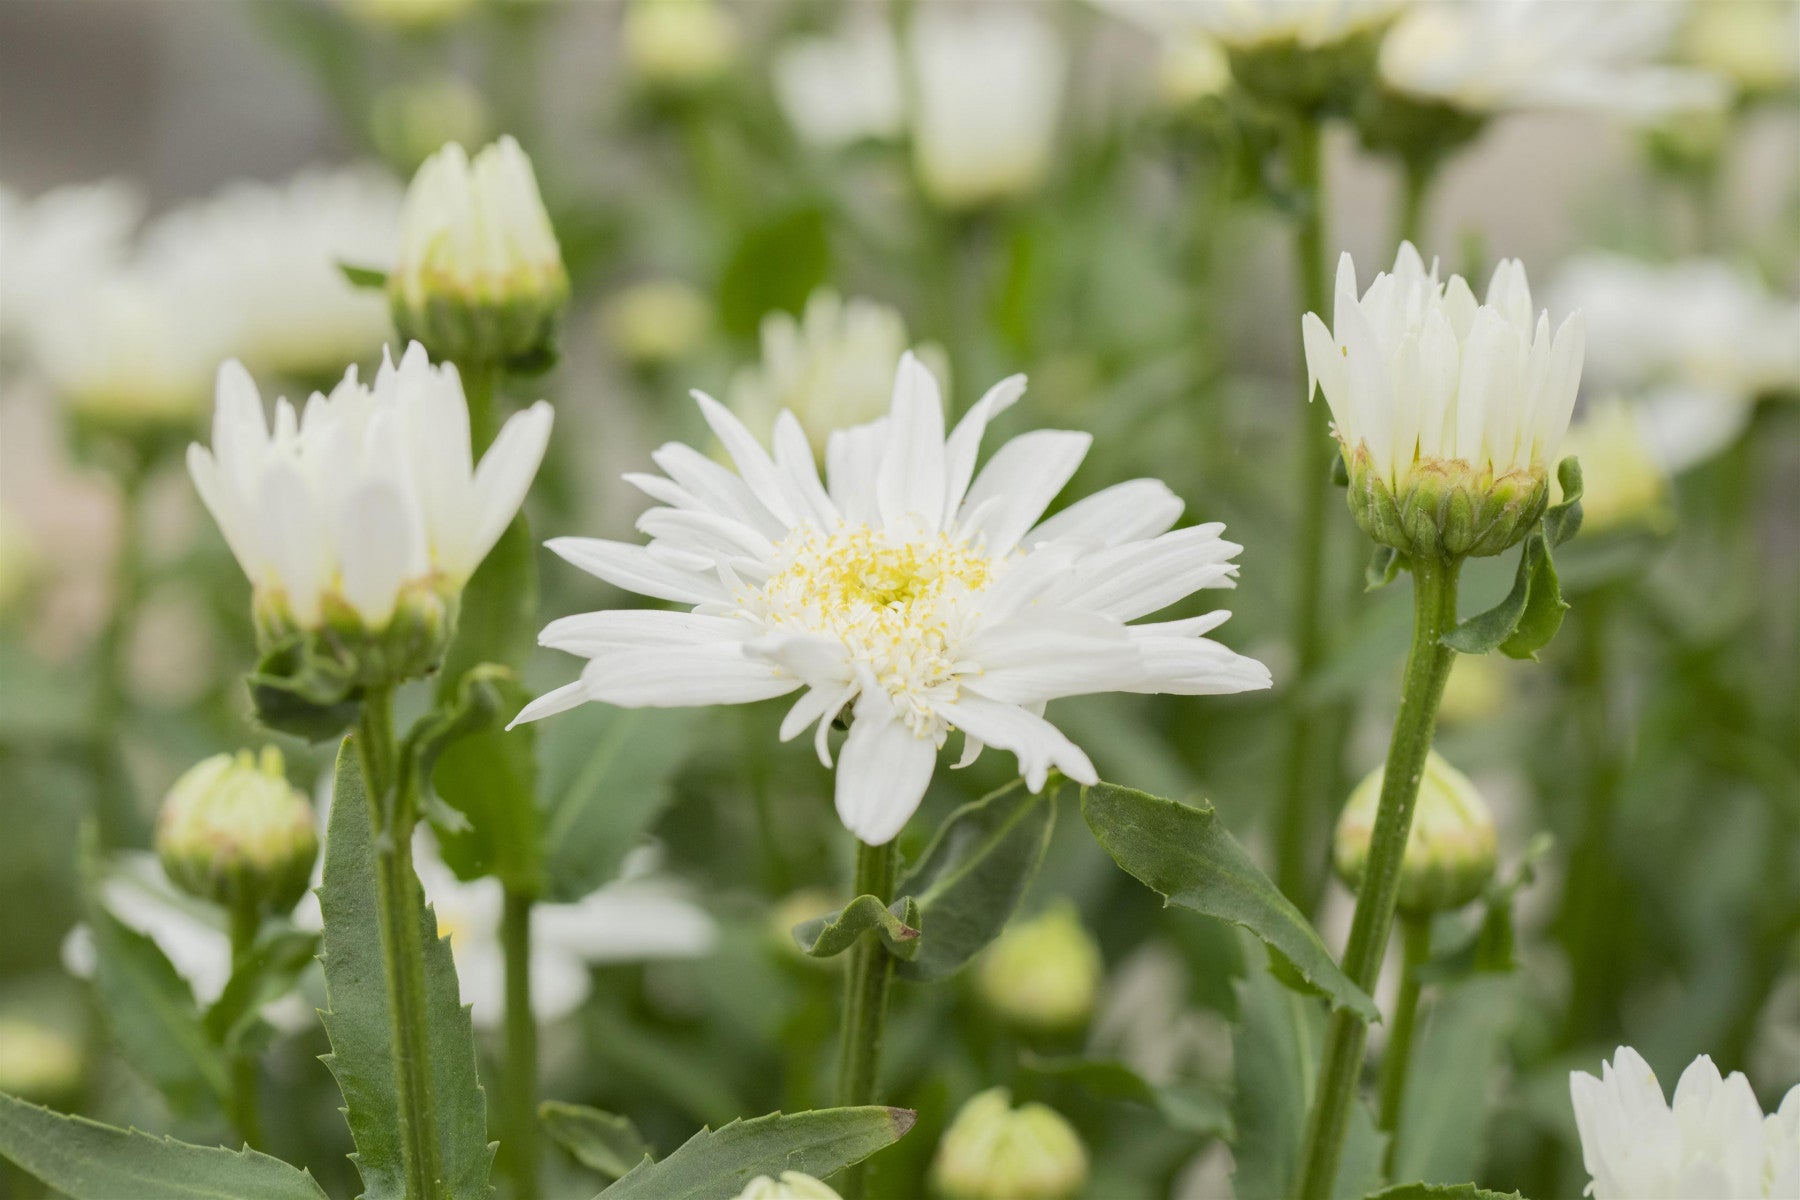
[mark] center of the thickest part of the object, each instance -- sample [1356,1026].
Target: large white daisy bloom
[912,592]
[364,494]
[60,241]
[1416,370]
[844,87]
[1711,1140]
[1486,56]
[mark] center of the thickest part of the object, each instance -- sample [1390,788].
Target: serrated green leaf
[86,1160]
[372,278]
[1191,1107]
[1384,565]
[150,1009]
[363,1050]
[971,876]
[1276,1046]
[618,791]
[1187,855]
[265,971]
[1440,1191]
[714,1164]
[897,925]
[600,1141]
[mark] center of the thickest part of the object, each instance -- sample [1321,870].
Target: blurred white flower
[61,241]
[639,917]
[791,1186]
[480,276]
[1485,56]
[840,88]
[832,368]
[1754,43]
[988,86]
[1256,23]
[1191,68]
[907,594]
[367,495]
[268,254]
[39,1061]
[657,321]
[1623,481]
[678,43]
[1416,371]
[412,119]
[1693,343]
[1711,1140]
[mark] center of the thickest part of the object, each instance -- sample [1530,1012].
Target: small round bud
[234,831]
[1450,851]
[1042,974]
[791,1186]
[658,321]
[409,122]
[480,278]
[1446,508]
[678,43]
[993,1151]
[38,1061]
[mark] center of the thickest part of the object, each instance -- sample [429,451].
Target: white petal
[1037,744]
[753,462]
[1125,512]
[558,700]
[377,543]
[590,633]
[882,773]
[632,567]
[964,446]
[1018,484]
[683,677]
[909,484]
[503,478]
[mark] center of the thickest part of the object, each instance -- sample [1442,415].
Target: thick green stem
[246,921]
[865,999]
[1587,915]
[1309,778]
[1427,669]
[114,803]
[1415,944]
[1417,178]
[521,1146]
[402,920]
[478,389]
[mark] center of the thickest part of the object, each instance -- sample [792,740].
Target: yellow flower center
[897,604]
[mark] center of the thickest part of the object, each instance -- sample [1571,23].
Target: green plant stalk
[1427,668]
[1415,942]
[402,917]
[478,382]
[1417,176]
[113,801]
[1313,746]
[865,999]
[246,922]
[521,1146]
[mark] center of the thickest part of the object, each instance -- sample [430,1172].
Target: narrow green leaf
[371,278]
[622,785]
[150,1008]
[1544,609]
[86,1160]
[1485,631]
[713,1164]
[1189,1106]
[1441,1191]
[1188,856]
[832,934]
[357,1020]
[971,876]
[264,972]
[1384,565]
[600,1141]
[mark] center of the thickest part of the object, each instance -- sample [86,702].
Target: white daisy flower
[1712,1139]
[845,87]
[365,497]
[912,593]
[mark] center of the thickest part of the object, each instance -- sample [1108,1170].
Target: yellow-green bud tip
[791,1186]
[1450,852]
[993,1151]
[232,830]
[1042,973]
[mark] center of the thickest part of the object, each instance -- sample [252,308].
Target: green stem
[1308,777]
[1586,911]
[521,1144]
[114,803]
[1415,194]
[478,389]
[402,918]
[865,999]
[246,921]
[1427,669]
[1415,943]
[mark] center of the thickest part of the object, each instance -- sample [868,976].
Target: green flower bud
[1446,507]
[791,1186]
[993,1151]
[38,1061]
[232,830]
[1042,974]
[1450,851]
[480,278]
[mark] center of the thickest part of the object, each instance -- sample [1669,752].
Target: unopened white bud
[993,1151]
[234,831]
[1450,851]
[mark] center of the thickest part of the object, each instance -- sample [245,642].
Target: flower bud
[678,43]
[38,1061]
[993,1151]
[791,1186]
[1446,508]
[480,277]
[411,121]
[1450,851]
[658,321]
[1622,483]
[1042,974]
[232,830]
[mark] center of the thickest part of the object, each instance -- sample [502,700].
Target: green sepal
[298,691]
[1524,622]
[897,925]
[1562,520]
[1187,856]
[722,1162]
[603,1142]
[1384,564]
[85,1160]
[1340,471]
[371,278]
[973,873]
